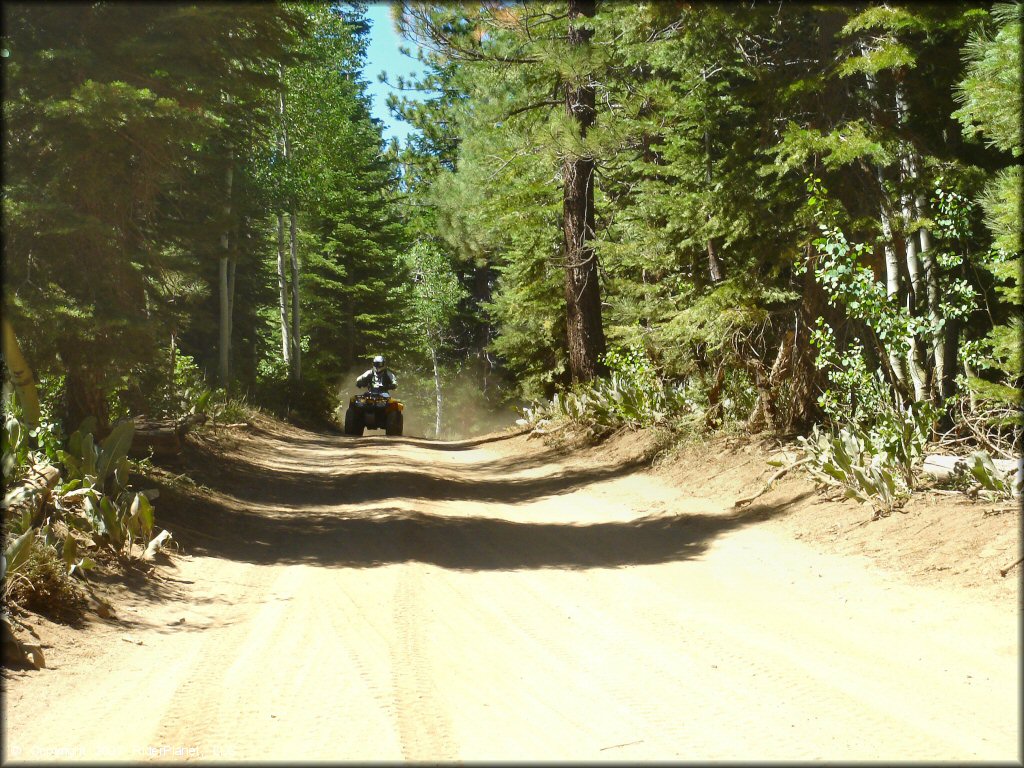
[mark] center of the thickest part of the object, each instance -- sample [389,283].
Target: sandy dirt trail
[376,599]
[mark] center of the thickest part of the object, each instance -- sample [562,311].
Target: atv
[374,409]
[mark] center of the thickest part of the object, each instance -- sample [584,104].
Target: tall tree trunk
[174,358]
[225,328]
[437,390]
[584,328]
[232,282]
[804,376]
[943,333]
[83,396]
[282,290]
[295,369]
[916,298]
[350,316]
[481,295]
[893,283]
[893,286]
[296,334]
[226,280]
[714,265]
[970,373]
[713,415]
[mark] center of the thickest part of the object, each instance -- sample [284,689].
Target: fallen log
[163,437]
[32,494]
[1010,567]
[942,467]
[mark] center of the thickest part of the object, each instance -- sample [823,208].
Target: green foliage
[981,467]
[182,393]
[450,249]
[92,505]
[222,406]
[96,497]
[22,445]
[990,92]
[841,271]
[342,188]
[990,97]
[849,461]
[15,447]
[998,353]
[437,292]
[18,551]
[1002,202]
[633,396]
[876,460]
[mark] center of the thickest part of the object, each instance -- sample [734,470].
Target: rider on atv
[376,409]
[378,378]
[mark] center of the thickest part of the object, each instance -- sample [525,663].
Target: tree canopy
[777,207]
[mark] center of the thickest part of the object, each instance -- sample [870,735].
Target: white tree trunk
[893,283]
[282,289]
[916,299]
[296,331]
[972,397]
[437,390]
[915,360]
[892,277]
[943,382]
[295,368]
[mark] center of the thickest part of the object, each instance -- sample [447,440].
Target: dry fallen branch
[771,480]
[538,431]
[1010,567]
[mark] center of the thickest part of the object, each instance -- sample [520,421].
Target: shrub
[632,397]
[850,462]
[43,585]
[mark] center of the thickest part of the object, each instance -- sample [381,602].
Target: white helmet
[378,361]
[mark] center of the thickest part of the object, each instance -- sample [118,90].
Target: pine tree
[104,111]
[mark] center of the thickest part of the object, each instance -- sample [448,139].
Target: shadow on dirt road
[350,515]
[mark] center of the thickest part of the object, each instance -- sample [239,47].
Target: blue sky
[382,55]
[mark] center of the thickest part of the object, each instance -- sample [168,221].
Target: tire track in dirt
[208,711]
[423,726]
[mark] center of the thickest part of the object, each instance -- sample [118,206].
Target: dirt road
[375,599]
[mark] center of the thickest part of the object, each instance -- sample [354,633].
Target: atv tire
[393,424]
[353,423]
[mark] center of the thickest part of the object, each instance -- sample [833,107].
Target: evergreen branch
[536,105]
[445,45]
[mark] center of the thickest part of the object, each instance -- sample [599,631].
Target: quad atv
[374,409]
